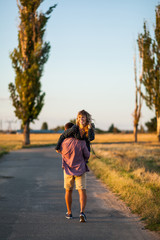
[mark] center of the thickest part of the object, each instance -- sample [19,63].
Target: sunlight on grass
[10,142]
[122,137]
[133,172]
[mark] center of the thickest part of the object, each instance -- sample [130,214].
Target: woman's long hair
[88,119]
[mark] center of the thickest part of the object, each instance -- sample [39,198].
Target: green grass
[7,148]
[2,152]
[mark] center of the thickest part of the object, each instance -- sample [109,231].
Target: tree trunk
[158,125]
[135,132]
[26,134]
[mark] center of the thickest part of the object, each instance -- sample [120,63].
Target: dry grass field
[131,170]
[15,141]
[122,137]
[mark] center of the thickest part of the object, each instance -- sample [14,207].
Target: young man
[75,154]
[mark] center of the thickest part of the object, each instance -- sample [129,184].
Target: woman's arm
[68,133]
[91,134]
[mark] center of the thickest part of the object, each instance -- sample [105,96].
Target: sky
[90,64]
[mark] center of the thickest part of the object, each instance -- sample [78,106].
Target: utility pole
[9,125]
[0,125]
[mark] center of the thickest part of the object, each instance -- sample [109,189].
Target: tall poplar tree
[150,54]
[28,60]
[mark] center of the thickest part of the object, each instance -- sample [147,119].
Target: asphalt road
[32,205]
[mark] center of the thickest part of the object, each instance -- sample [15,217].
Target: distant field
[14,141]
[121,137]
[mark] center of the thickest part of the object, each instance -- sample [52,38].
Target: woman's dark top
[74,132]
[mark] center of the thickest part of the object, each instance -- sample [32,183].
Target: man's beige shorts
[80,181]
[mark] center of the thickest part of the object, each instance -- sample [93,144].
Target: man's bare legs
[82,199]
[68,199]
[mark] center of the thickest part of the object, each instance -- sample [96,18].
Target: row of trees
[149,55]
[151,127]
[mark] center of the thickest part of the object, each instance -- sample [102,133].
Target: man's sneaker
[82,217]
[69,216]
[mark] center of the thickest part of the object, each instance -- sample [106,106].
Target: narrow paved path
[32,205]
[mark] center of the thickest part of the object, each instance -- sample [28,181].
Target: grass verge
[9,142]
[133,172]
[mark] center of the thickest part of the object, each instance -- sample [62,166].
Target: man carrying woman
[74,145]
